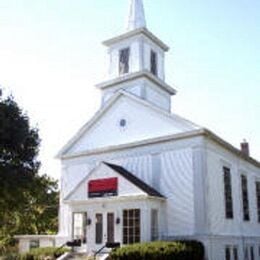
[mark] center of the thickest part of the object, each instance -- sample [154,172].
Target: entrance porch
[127,220]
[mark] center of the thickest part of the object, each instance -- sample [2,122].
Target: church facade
[137,172]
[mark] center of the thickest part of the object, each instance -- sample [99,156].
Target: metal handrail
[97,252]
[107,245]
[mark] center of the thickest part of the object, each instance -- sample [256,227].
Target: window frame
[124,61]
[83,226]
[154,62]
[228,194]
[131,231]
[99,229]
[252,252]
[154,224]
[245,198]
[231,252]
[257,187]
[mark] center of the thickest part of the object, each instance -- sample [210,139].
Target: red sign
[103,187]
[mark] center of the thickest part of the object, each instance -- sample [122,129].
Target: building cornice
[150,141]
[113,199]
[136,75]
[189,134]
[110,102]
[140,31]
[211,136]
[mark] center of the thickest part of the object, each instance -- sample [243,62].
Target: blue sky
[51,57]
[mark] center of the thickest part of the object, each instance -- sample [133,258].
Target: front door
[79,230]
[110,227]
[105,228]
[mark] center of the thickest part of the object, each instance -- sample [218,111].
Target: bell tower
[136,62]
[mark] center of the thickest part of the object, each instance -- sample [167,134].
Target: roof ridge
[135,180]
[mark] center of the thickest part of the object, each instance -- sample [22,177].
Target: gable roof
[109,104]
[133,179]
[126,175]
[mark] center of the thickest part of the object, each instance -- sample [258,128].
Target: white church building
[138,172]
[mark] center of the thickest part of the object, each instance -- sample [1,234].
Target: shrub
[43,253]
[178,250]
[49,253]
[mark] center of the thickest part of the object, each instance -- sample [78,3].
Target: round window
[122,123]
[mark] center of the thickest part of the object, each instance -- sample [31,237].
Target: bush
[49,253]
[178,250]
[43,253]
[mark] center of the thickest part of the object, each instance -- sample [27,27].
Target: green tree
[28,201]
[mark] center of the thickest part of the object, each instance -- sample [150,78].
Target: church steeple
[136,17]
[136,62]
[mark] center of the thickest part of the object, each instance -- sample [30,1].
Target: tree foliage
[28,201]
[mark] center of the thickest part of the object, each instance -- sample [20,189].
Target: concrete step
[78,256]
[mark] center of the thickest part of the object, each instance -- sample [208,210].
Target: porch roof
[136,181]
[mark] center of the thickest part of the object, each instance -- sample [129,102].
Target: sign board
[103,188]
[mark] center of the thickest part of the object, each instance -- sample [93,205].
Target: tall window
[252,253]
[246,254]
[228,193]
[154,63]
[79,226]
[131,226]
[231,253]
[154,225]
[245,201]
[227,253]
[124,61]
[99,228]
[235,253]
[258,199]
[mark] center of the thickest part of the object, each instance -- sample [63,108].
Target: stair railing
[107,245]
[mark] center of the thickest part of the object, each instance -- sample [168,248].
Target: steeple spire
[136,18]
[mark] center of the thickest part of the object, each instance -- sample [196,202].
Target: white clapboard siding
[177,186]
[219,225]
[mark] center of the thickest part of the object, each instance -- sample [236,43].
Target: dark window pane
[131,226]
[154,63]
[131,222]
[245,198]
[228,193]
[131,232]
[99,228]
[125,241]
[246,253]
[258,200]
[235,253]
[252,253]
[110,227]
[227,254]
[124,61]
[131,213]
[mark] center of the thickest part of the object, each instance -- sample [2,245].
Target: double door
[105,228]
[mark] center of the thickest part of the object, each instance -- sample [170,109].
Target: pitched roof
[133,179]
[110,103]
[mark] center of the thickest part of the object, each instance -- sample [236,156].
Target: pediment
[125,119]
[111,181]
